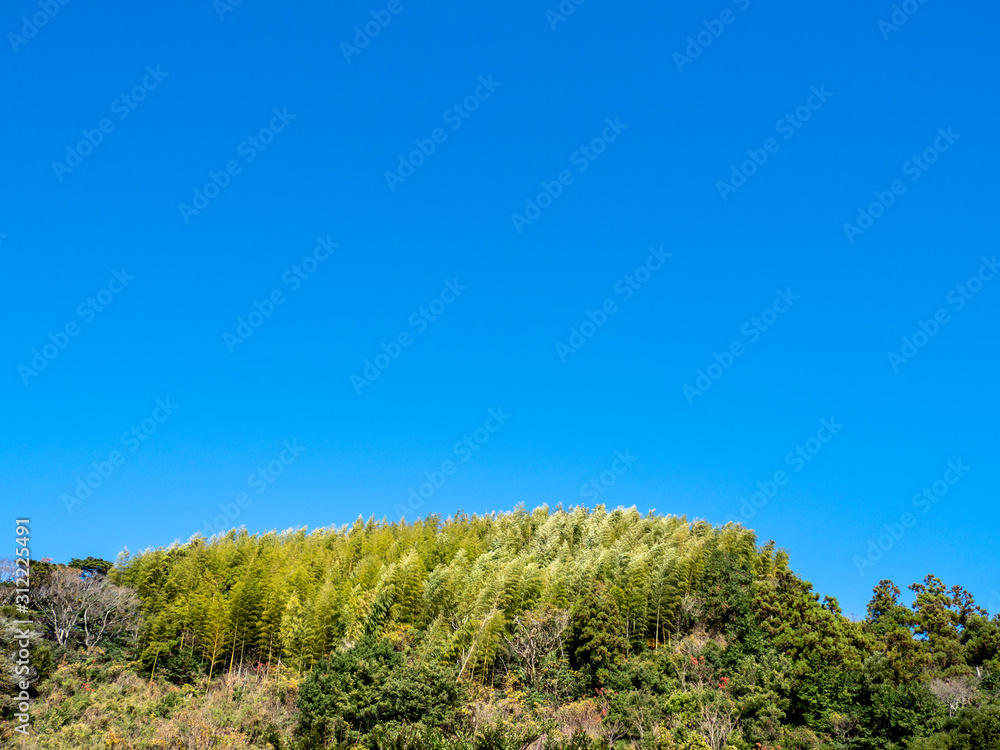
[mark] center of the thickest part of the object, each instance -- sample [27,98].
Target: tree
[72,602]
[940,619]
[841,725]
[108,610]
[889,713]
[954,692]
[971,729]
[351,694]
[295,633]
[718,721]
[214,622]
[244,614]
[39,666]
[537,633]
[91,565]
[597,633]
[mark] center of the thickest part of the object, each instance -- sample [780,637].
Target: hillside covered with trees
[548,629]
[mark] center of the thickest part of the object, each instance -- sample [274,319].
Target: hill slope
[560,628]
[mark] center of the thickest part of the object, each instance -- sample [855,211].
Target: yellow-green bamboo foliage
[450,589]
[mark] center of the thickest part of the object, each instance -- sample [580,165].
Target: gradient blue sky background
[324,175]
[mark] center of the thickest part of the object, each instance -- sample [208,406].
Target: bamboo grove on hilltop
[451,588]
[551,630]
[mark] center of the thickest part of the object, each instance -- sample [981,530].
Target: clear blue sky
[837,105]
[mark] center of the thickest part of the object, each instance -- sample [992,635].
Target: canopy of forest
[546,629]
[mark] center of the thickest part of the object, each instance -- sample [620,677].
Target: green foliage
[459,584]
[596,639]
[91,565]
[370,690]
[889,714]
[570,629]
[972,729]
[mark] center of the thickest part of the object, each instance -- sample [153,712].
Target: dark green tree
[596,638]
[91,565]
[352,694]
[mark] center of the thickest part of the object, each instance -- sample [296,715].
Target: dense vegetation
[554,630]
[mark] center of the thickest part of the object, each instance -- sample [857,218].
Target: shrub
[972,729]
[371,687]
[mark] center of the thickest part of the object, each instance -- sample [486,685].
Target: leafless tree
[842,726]
[691,610]
[640,712]
[537,634]
[955,692]
[70,599]
[718,720]
[109,610]
[7,568]
[60,602]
